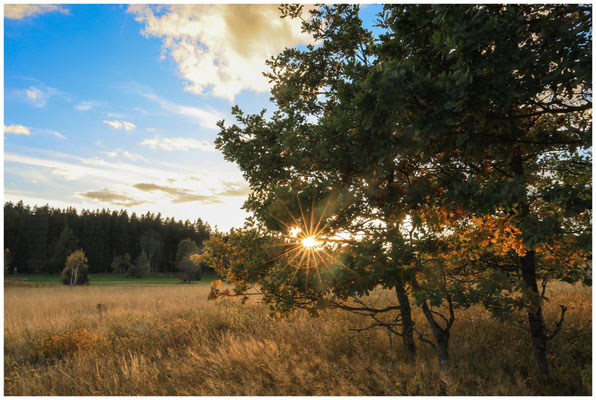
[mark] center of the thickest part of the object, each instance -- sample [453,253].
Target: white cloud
[17,130]
[221,49]
[182,144]
[127,126]
[18,11]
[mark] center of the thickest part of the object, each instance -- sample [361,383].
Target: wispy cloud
[112,197]
[50,132]
[177,195]
[115,115]
[205,117]
[19,11]
[124,154]
[17,130]
[181,144]
[234,189]
[220,49]
[127,126]
[27,131]
[39,95]
[89,104]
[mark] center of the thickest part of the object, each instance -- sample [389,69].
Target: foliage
[186,247]
[121,264]
[455,147]
[191,268]
[64,245]
[139,268]
[76,270]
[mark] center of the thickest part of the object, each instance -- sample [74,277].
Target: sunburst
[308,246]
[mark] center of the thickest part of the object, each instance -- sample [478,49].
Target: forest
[38,239]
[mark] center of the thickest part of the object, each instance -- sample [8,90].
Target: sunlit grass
[170,340]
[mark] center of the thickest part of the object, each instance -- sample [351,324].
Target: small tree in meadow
[138,269]
[191,268]
[76,270]
[121,264]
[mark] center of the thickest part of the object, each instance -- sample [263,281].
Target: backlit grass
[170,340]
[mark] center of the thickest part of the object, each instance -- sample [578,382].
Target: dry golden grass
[172,341]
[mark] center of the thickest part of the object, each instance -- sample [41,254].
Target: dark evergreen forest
[38,239]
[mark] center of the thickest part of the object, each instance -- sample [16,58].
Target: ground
[171,340]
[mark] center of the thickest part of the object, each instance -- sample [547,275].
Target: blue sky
[114,106]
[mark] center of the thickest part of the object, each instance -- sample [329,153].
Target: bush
[190,268]
[76,270]
[121,264]
[139,268]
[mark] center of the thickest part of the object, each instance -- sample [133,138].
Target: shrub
[121,264]
[138,269]
[190,268]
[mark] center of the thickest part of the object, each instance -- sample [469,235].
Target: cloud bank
[221,49]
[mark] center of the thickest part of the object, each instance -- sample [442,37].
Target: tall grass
[173,341]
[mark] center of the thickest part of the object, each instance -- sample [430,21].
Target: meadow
[171,340]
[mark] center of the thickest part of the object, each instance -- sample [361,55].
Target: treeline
[38,239]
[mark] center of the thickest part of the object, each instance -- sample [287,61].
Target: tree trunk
[535,319]
[407,323]
[441,336]
[442,339]
[528,269]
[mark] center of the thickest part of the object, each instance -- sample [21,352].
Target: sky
[115,106]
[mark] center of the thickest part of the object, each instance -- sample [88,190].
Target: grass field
[171,340]
[103,279]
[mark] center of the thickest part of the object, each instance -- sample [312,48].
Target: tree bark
[528,269]
[535,319]
[441,336]
[407,322]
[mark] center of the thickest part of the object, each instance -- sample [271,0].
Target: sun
[310,242]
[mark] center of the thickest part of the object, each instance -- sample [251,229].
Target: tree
[121,264]
[64,245]
[186,247]
[191,268]
[455,122]
[76,270]
[188,261]
[150,245]
[7,261]
[140,266]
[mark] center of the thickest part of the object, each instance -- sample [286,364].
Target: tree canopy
[447,158]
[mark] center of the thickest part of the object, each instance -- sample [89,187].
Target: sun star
[310,242]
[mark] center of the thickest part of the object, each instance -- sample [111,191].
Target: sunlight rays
[308,245]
